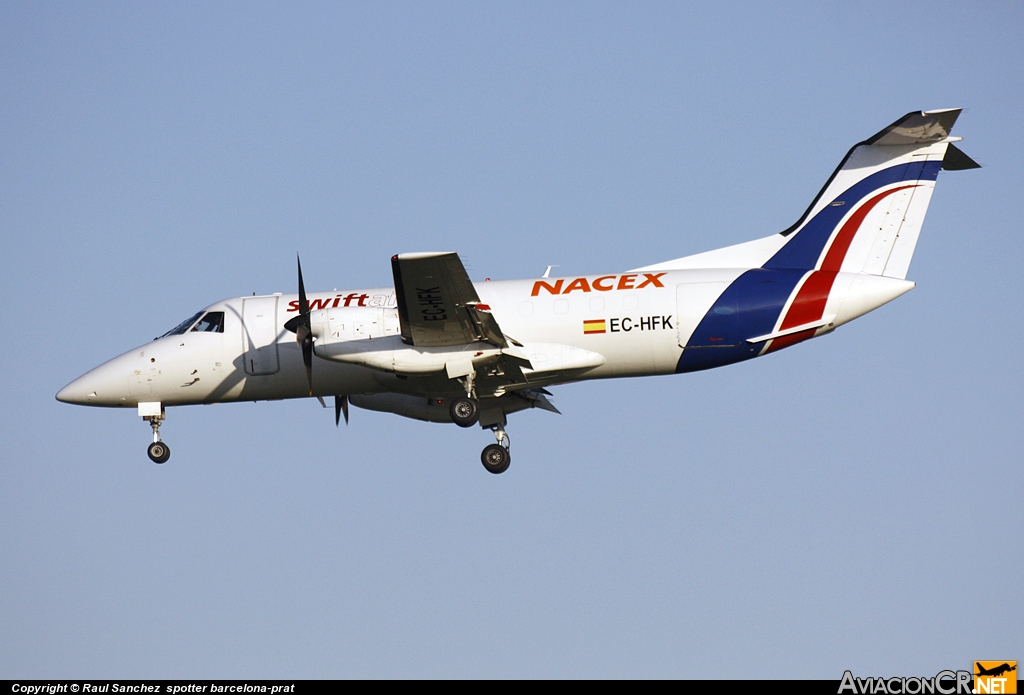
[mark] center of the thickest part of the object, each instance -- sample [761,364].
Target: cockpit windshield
[213,322]
[182,327]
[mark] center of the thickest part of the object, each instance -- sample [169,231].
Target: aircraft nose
[79,391]
[104,385]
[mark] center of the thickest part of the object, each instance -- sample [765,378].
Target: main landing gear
[158,451]
[465,411]
[496,457]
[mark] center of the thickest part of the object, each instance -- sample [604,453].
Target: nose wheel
[158,451]
[496,457]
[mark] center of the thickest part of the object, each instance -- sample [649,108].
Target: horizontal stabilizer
[815,325]
[956,160]
[917,127]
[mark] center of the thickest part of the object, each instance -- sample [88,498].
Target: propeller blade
[303,302]
[307,359]
[302,320]
[303,329]
[340,406]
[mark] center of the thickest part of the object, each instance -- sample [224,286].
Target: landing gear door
[693,301]
[259,335]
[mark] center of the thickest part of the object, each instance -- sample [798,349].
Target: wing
[437,303]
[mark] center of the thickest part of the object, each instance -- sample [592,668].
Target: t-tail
[868,216]
[848,254]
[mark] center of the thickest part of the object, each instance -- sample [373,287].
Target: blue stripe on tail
[804,249]
[749,307]
[752,304]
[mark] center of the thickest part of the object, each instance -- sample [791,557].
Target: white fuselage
[592,327]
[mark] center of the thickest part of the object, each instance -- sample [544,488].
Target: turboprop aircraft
[438,347]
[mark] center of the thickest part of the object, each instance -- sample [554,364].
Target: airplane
[995,671]
[439,347]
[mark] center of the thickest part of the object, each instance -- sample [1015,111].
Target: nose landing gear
[496,457]
[158,451]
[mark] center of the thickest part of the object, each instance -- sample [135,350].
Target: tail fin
[868,216]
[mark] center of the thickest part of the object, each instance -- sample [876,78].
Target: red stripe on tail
[811,298]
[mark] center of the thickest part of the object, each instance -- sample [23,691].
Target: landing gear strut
[496,457]
[158,451]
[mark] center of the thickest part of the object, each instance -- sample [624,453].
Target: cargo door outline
[693,301]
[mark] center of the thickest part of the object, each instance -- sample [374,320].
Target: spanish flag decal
[593,326]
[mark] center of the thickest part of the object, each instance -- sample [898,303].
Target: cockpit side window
[183,326]
[213,322]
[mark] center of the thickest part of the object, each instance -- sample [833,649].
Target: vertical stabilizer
[868,217]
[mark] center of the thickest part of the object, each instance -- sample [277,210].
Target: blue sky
[843,504]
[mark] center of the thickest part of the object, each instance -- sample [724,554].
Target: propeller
[340,406]
[303,330]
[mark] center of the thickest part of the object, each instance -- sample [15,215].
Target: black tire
[159,452]
[495,458]
[464,411]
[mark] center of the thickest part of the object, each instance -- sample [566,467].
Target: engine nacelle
[348,323]
[390,354]
[370,336]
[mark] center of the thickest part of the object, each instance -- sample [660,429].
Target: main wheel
[464,411]
[495,458]
[159,452]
